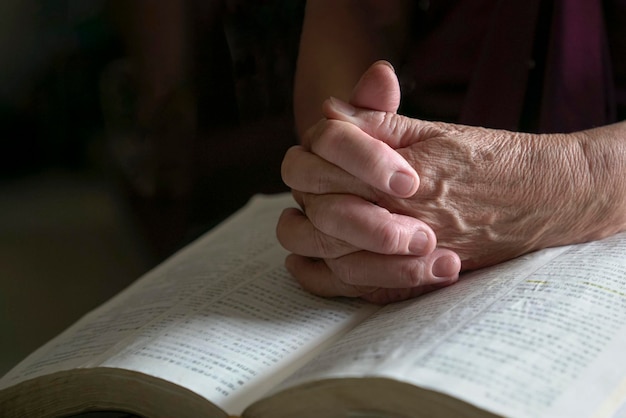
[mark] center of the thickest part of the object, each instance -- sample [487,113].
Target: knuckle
[299,197]
[388,122]
[344,271]
[333,127]
[324,183]
[413,274]
[394,125]
[310,135]
[288,166]
[287,231]
[322,245]
[282,231]
[322,210]
[390,237]
[306,202]
[329,134]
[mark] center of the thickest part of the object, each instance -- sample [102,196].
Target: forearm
[603,152]
[577,183]
[339,41]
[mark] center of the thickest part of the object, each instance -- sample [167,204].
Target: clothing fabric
[536,66]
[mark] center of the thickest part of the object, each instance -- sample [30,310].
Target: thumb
[378,89]
[375,96]
[395,130]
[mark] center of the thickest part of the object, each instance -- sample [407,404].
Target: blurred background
[127,129]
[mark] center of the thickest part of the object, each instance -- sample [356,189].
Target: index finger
[365,157]
[306,172]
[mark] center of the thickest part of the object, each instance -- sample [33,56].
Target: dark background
[109,160]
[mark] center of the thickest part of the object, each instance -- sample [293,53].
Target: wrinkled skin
[488,195]
[480,195]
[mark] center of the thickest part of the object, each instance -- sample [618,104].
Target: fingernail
[445,266]
[387,63]
[418,242]
[402,183]
[342,107]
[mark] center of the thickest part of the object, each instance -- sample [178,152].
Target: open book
[221,329]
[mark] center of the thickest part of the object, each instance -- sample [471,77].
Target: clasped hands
[369,226]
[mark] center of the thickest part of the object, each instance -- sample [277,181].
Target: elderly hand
[333,259]
[488,195]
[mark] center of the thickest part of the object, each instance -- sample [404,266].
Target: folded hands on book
[392,207]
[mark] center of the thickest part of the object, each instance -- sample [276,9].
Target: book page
[233,349]
[525,338]
[221,317]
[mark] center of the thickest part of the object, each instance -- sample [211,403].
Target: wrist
[574,193]
[603,155]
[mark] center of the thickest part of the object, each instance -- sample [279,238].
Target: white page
[232,350]
[159,290]
[173,304]
[418,325]
[533,352]
[515,339]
